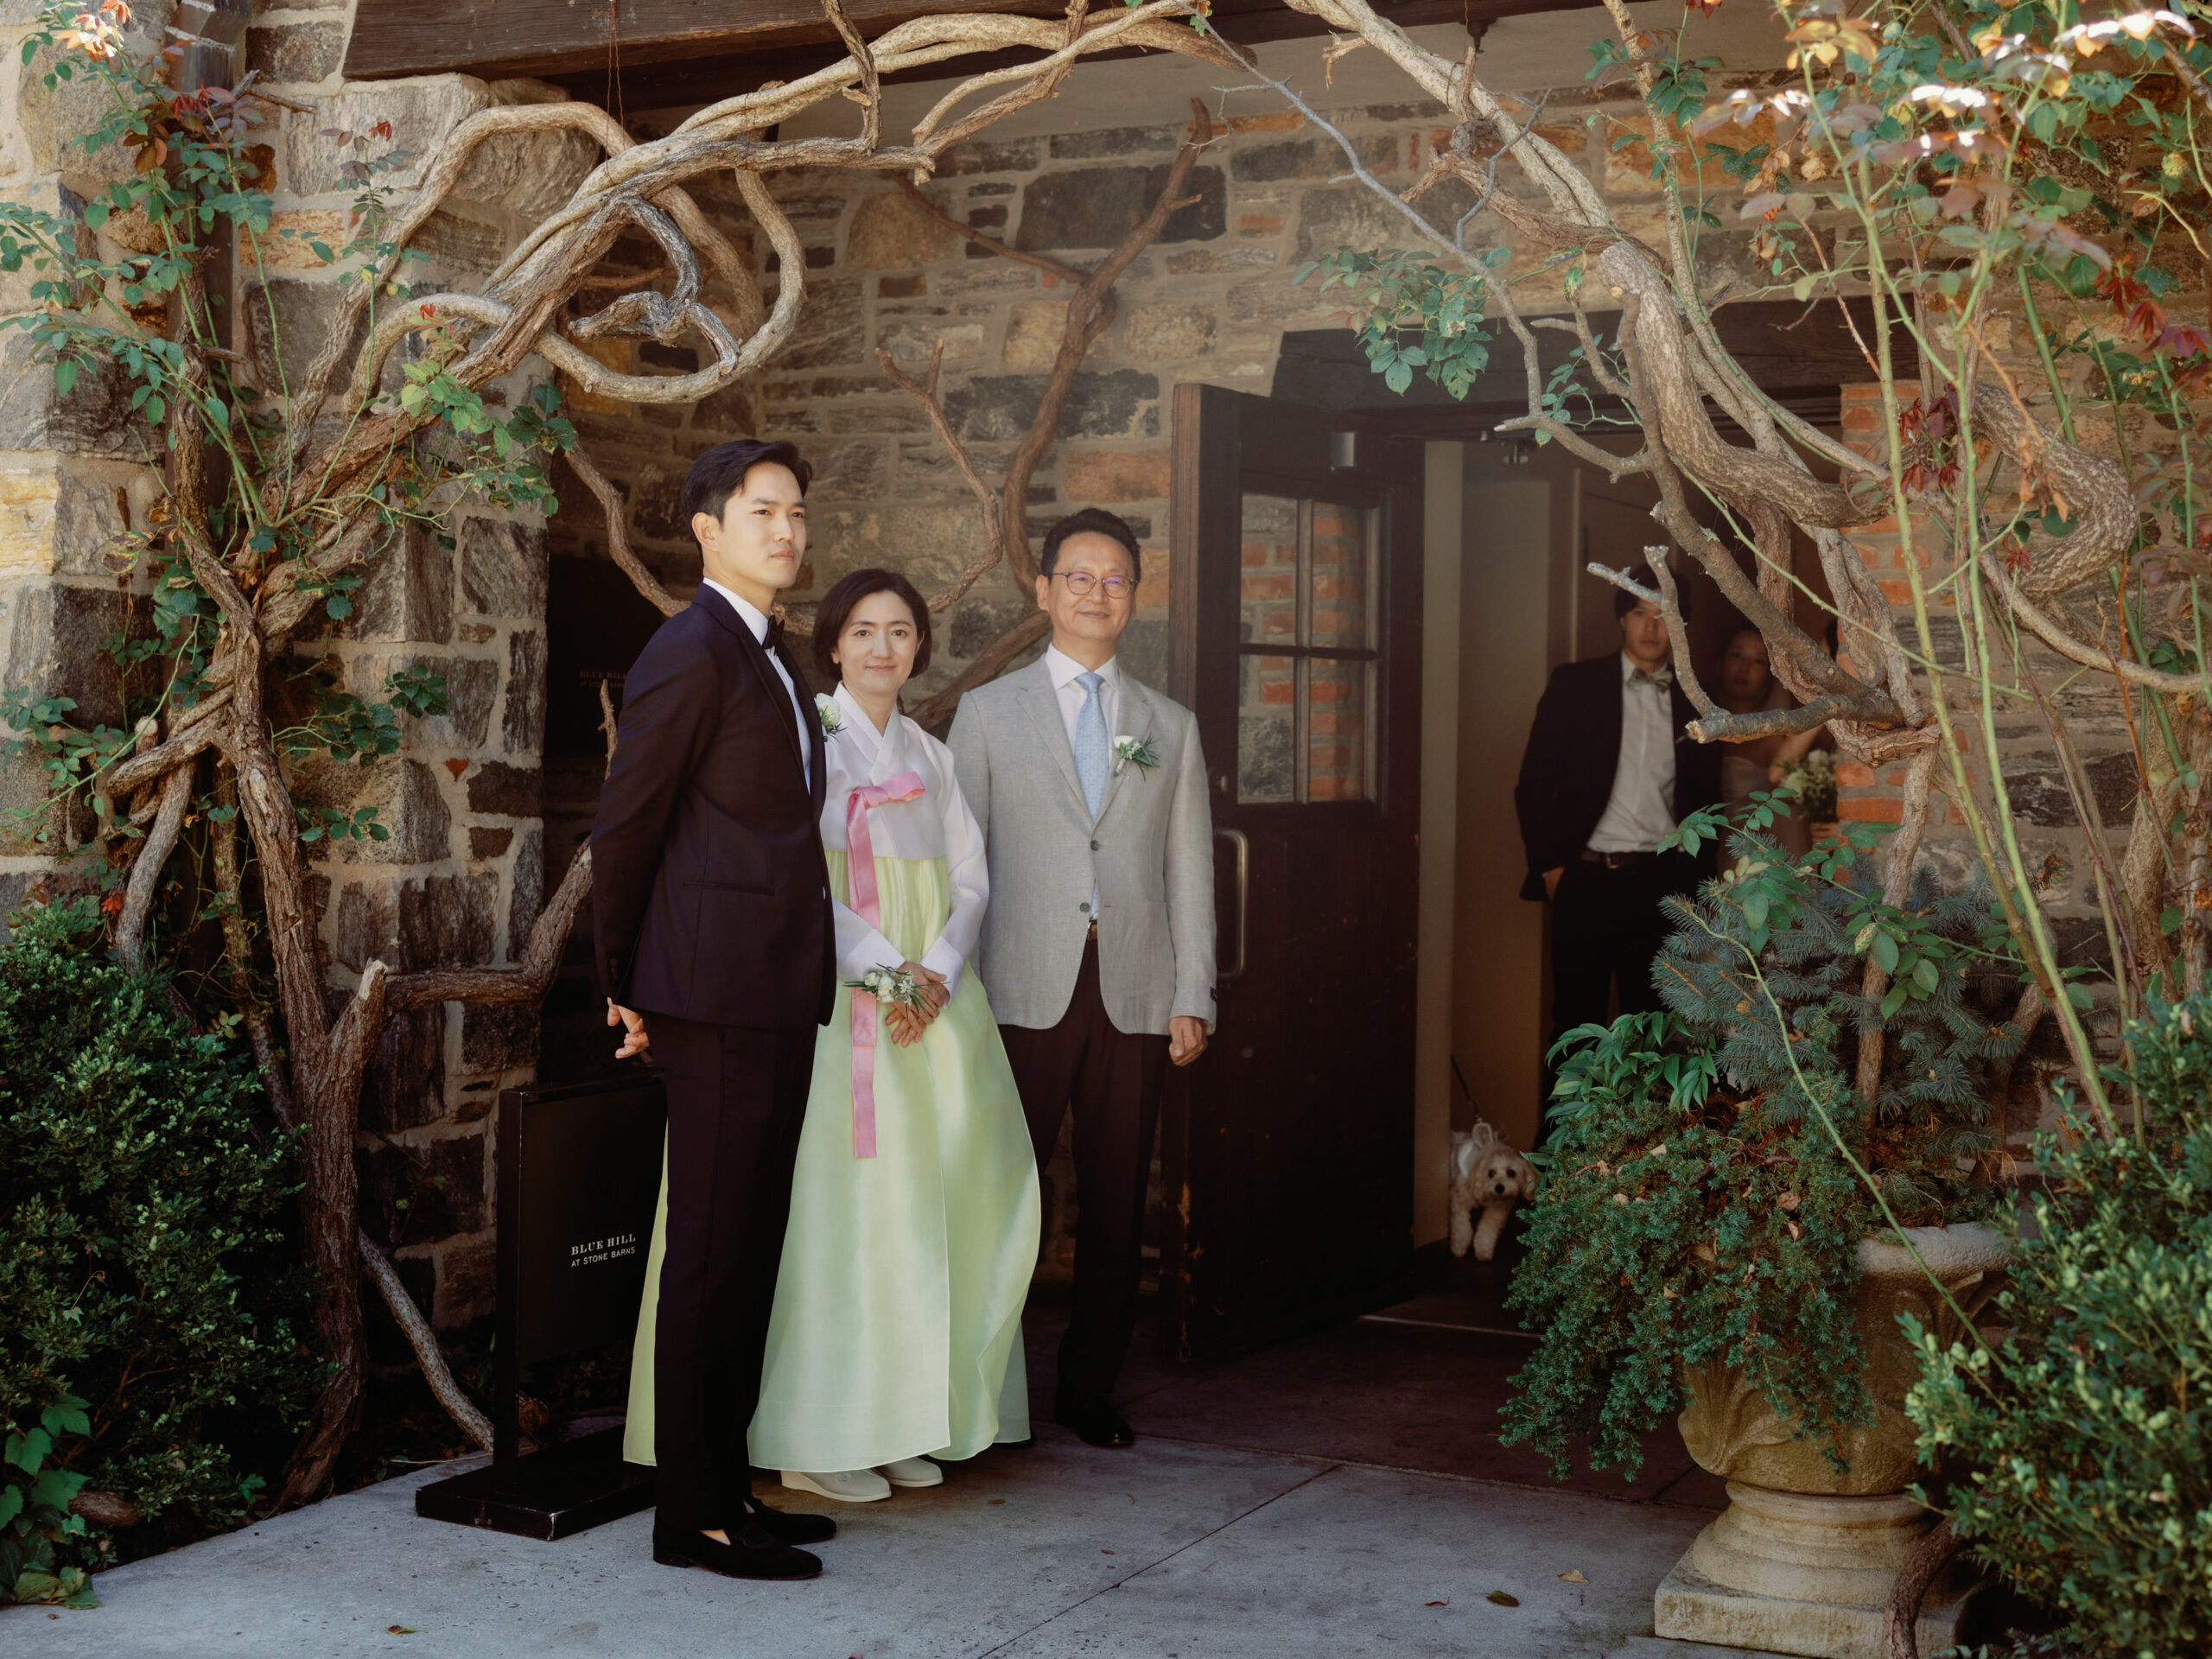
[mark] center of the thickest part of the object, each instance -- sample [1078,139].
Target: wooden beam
[675,54]
[500,39]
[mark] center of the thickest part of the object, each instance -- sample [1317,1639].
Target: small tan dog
[1489,1176]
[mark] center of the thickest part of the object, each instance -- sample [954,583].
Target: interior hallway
[1339,1495]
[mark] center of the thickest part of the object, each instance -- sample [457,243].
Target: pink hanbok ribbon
[859,878]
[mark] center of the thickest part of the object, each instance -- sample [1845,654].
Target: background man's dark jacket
[709,894]
[1566,773]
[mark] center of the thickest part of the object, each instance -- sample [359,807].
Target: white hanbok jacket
[936,824]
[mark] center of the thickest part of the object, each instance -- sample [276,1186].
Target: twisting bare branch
[424,1341]
[146,872]
[617,532]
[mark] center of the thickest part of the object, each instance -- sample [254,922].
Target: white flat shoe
[911,1471]
[846,1485]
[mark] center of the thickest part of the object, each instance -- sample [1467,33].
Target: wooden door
[1296,604]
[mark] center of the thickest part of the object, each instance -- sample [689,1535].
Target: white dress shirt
[1641,812]
[1064,669]
[935,824]
[801,702]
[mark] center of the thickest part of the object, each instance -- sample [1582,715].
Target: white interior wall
[1443,555]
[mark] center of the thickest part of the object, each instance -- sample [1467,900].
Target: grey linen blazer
[1151,852]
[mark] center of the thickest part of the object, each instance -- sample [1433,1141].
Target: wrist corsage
[831,716]
[893,987]
[1134,752]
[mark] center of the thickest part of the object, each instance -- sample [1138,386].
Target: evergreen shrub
[2087,1427]
[148,1307]
[1708,1171]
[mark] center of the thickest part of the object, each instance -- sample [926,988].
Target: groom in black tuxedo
[710,900]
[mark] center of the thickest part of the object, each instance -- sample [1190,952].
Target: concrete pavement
[1340,1495]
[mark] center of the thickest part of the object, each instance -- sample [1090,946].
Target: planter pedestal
[1803,1559]
[1808,1573]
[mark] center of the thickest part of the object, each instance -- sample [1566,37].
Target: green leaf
[1755,909]
[1925,975]
[66,1416]
[28,1451]
[2169,921]
[1885,953]
[64,375]
[11,1503]
[2078,994]
[1896,999]
[55,1488]
[1503,1599]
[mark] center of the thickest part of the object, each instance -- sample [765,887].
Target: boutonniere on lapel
[831,716]
[1134,752]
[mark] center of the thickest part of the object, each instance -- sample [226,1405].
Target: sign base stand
[553,1492]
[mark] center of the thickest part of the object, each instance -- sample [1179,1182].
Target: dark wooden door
[1287,1149]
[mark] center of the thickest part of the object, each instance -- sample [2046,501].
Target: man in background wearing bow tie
[1608,772]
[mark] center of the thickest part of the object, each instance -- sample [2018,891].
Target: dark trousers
[736,1100]
[1606,927]
[1113,1079]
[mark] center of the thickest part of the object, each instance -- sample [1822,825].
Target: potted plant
[1730,1226]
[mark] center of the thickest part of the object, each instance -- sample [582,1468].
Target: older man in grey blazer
[1098,946]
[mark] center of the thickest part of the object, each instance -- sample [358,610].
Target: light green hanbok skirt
[897,1328]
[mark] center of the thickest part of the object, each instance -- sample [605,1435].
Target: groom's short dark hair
[719,473]
[1091,521]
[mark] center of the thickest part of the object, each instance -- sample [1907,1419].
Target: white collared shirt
[1641,812]
[1064,669]
[801,702]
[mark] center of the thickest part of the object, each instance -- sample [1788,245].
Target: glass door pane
[1338,699]
[1267,730]
[1268,593]
[1339,578]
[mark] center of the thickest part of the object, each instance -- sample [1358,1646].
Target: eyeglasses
[1082,581]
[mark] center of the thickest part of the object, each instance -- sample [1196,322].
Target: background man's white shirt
[801,703]
[1641,813]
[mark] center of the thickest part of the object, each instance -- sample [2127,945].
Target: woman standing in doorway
[896,1332]
[1747,686]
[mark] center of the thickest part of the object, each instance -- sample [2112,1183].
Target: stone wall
[463,876]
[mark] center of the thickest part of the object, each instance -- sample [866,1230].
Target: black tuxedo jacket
[1566,773]
[710,894]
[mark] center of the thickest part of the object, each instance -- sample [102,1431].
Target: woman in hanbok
[895,1343]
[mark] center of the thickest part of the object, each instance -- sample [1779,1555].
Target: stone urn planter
[1802,1560]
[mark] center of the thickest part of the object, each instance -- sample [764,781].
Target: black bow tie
[775,634]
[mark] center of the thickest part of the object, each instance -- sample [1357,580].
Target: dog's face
[1503,1174]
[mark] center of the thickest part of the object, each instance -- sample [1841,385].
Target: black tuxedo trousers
[736,1101]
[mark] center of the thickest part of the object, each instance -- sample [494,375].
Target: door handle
[1237,839]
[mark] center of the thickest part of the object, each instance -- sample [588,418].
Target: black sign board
[580,1169]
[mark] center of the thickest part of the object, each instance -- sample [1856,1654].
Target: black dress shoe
[752,1553]
[790,1526]
[1098,1424]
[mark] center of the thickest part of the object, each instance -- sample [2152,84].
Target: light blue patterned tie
[1091,743]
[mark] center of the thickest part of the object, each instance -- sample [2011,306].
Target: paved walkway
[1339,1496]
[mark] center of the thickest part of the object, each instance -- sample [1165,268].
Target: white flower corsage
[890,986]
[1134,752]
[831,716]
